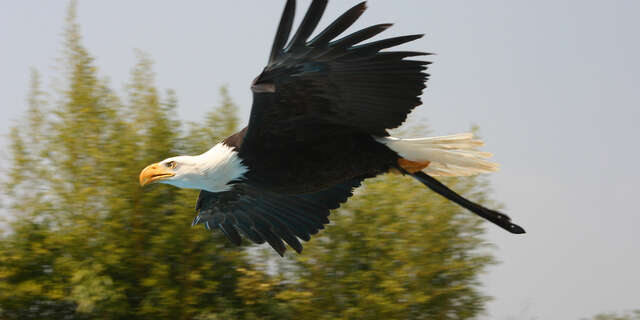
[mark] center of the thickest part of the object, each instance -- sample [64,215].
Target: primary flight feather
[317,129]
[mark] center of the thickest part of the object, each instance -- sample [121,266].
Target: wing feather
[308,24]
[360,36]
[339,26]
[264,216]
[325,87]
[284,29]
[230,232]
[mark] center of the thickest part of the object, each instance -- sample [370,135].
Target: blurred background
[91,92]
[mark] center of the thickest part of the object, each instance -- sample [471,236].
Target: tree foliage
[88,242]
[630,315]
[395,251]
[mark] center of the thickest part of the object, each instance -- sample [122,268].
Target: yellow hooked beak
[153,173]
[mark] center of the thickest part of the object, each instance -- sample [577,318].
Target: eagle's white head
[211,171]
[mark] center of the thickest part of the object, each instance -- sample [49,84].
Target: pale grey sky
[553,84]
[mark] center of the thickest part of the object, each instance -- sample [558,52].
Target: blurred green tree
[394,251]
[87,242]
[631,315]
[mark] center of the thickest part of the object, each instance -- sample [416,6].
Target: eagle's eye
[170,164]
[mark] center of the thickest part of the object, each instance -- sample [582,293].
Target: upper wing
[262,216]
[323,87]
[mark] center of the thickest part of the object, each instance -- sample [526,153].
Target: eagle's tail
[496,217]
[452,156]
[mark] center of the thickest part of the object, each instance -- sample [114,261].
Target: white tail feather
[453,155]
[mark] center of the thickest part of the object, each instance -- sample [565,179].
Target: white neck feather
[224,166]
[211,171]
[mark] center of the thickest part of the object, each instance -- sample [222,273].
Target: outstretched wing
[262,216]
[324,87]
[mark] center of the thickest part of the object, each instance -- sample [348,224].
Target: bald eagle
[318,128]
